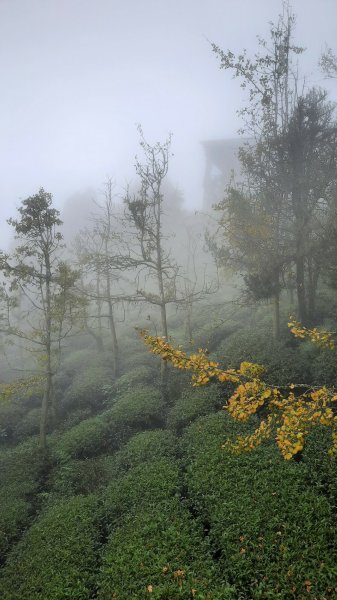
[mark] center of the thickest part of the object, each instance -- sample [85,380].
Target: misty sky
[78,75]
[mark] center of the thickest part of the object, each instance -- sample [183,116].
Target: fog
[145,345]
[77,76]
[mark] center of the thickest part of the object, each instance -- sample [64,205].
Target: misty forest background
[113,479]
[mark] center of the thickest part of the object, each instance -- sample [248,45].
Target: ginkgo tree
[289,413]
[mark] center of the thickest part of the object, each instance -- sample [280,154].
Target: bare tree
[98,248]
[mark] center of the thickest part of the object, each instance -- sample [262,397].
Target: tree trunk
[188,323]
[300,288]
[99,306]
[313,276]
[163,314]
[96,336]
[277,316]
[48,347]
[115,349]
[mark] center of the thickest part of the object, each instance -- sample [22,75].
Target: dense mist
[168,312]
[77,77]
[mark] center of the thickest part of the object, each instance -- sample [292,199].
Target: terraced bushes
[141,408]
[143,486]
[86,389]
[193,403]
[19,418]
[146,446]
[284,361]
[159,553]
[142,375]
[20,472]
[155,549]
[80,477]
[57,556]
[272,535]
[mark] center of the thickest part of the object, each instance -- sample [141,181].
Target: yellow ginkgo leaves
[288,416]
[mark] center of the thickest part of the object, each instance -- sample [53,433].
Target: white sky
[77,75]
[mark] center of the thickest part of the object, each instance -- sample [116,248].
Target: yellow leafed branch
[289,416]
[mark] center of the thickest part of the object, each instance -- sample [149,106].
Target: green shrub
[20,469]
[138,376]
[133,355]
[140,409]
[323,366]
[57,556]
[194,402]
[89,438]
[20,473]
[29,425]
[321,468]
[81,477]
[284,362]
[211,337]
[14,517]
[11,412]
[270,531]
[75,417]
[164,549]
[87,388]
[146,446]
[143,486]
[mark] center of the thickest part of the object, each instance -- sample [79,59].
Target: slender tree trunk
[277,316]
[115,348]
[163,366]
[313,276]
[188,323]
[99,306]
[96,336]
[163,313]
[112,326]
[48,348]
[300,287]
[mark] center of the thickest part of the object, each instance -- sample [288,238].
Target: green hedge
[143,375]
[141,487]
[140,409]
[11,412]
[88,438]
[194,402]
[283,359]
[81,477]
[20,472]
[57,557]
[321,468]
[270,531]
[164,549]
[87,389]
[14,518]
[29,425]
[146,446]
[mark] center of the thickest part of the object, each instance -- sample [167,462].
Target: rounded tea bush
[194,402]
[141,408]
[146,446]
[57,556]
[270,530]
